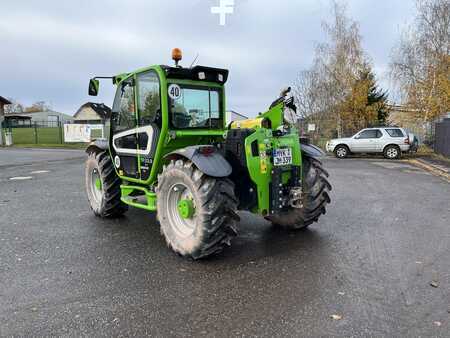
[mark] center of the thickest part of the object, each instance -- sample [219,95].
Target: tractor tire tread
[111,205]
[215,200]
[316,196]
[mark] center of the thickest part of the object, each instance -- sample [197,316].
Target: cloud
[51,48]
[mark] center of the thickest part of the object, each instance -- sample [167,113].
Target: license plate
[282,156]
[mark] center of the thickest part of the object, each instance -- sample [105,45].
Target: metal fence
[39,132]
[442,137]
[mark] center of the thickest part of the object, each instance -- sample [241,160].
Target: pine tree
[377,98]
[365,105]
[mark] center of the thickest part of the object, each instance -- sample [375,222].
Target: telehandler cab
[170,151]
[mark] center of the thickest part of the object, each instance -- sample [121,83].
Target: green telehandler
[169,150]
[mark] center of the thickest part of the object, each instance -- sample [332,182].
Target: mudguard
[311,150]
[206,158]
[99,144]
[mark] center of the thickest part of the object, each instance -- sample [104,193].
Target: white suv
[391,141]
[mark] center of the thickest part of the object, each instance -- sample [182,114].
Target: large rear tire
[103,186]
[196,212]
[392,152]
[315,197]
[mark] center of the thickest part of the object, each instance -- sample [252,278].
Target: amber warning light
[177,55]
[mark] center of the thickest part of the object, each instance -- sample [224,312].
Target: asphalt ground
[369,262]
[21,156]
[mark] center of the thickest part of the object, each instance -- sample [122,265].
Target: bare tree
[336,67]
[14,108]
[420,62]
[305,93]
[38,106]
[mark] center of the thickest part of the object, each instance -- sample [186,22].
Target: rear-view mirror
[93,87]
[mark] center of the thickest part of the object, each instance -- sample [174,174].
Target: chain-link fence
[320,131]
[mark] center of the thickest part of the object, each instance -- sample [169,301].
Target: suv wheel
[341,151]
[392,152]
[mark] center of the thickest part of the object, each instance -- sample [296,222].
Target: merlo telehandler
[169,150]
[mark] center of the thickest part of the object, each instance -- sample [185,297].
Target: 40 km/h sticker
[174,91]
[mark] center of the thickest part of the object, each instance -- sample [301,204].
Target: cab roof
[197,73]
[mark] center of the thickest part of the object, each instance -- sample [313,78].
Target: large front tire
[103,186]
[315,197]
[341,151]
[196,212]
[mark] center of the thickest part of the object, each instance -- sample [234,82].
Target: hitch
[285,195]
[296,198]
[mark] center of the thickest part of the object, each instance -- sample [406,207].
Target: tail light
[407,140]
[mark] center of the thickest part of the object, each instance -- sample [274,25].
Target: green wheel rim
[186,208]
[98,183]
[181,210]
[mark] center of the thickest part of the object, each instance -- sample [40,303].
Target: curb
[430,168]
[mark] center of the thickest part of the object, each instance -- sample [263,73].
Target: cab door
[149,119]
[123,127]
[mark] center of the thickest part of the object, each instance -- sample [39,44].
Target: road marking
[40,172]
[20,178]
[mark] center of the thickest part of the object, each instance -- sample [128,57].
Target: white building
[92,113]
[231,116]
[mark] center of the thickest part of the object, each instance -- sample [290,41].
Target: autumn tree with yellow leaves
[420,65]
[365,105]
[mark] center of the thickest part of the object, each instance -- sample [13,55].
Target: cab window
[124,116]
[149,105]
[196,108]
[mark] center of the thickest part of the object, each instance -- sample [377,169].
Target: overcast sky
[50,48]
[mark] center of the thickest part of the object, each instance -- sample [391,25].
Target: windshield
[196,107]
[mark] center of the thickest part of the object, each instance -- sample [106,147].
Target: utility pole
[3,103]
[1,129]
[2,118]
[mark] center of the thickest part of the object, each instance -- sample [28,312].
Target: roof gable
[4,101]
[100,109]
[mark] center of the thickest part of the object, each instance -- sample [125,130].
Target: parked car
[390,141]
